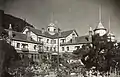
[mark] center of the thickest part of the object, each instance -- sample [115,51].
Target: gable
[25,30]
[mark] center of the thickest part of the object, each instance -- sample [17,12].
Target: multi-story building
[51,40]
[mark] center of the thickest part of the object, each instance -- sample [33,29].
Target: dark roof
[46,34]
[79,40]
[18,36]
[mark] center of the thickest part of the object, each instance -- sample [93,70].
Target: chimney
[10,33]
[43,30]
[73,38]
[59,32]
[90,31]
[1,17]
[28,35]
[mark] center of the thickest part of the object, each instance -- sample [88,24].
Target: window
[18,45]
[54,48]
[24,45]
[63,40]
[39,39]
[47,40]
[73,35]
[54,30]
[35,56]
[70,40]
[77,47]
[40,48]
[31,56]
[67,48]
[54,41]
[47,48]
[50,48]
[48,29]
[34,47]
[51,41]
[62,48]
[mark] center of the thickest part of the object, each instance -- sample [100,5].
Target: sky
[69,14]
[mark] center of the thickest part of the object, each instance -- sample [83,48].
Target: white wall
[70,36]
[100,32]
[34,36]
[30,45]
[26,29]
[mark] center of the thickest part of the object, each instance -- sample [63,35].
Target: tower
[51,29]
[90,31]
[110,36]
[100,28]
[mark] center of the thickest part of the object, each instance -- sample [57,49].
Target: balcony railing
[25,49]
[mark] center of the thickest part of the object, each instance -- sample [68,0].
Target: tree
[7,54]
[100,54]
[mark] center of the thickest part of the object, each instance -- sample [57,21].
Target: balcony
[25,49]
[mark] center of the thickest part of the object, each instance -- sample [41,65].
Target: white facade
[70,48]
[19,46]
[50,44]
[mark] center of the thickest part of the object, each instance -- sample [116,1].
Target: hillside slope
[17,23]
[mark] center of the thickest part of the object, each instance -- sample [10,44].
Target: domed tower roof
[51,28]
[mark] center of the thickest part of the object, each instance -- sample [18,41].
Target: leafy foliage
[100,54]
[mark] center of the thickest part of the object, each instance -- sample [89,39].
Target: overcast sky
[70,14]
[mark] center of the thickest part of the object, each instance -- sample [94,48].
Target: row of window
[25,46]
[33,56]
[63,48]
[52,41]
[51,48]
